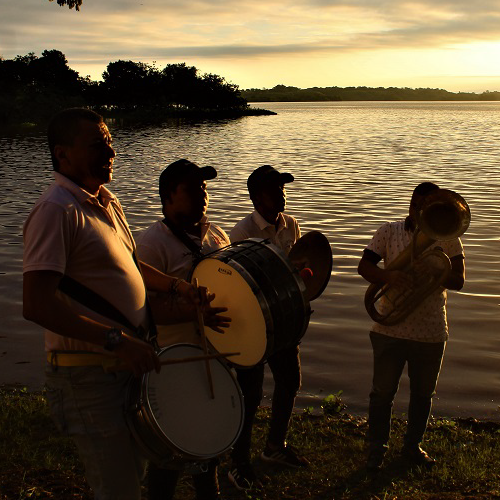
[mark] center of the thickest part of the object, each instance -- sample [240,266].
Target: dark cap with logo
[265,175]
[181,170]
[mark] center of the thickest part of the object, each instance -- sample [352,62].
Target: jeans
[88,405]
[285,367]
[389,358]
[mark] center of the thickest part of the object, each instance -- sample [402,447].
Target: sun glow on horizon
[313,43]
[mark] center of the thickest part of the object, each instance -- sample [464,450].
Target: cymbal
[312,257]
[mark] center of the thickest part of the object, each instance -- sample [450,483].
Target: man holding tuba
[418,337]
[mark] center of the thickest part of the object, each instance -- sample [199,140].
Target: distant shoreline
[282,93]
[145,116]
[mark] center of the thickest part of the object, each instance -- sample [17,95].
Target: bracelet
[175,285]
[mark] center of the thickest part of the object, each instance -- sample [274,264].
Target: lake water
[355,166]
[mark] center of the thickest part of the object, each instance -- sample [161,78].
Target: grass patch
[38,463]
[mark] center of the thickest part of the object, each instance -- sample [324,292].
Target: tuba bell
[444,215]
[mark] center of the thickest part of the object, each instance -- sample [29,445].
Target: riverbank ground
[36,462]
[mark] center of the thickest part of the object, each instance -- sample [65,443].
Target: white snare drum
[265,297]
[172,416]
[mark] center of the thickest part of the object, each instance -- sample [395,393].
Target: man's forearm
[155,280]
[56,316]
[371,272]
[169,309]
[43,305]
[456,278]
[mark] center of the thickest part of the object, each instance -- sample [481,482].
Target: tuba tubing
[454,208]
[406,301]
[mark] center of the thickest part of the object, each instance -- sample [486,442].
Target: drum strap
[93,301]
[100,305]
[182,236]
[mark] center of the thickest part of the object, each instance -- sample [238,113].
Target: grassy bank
[36,462]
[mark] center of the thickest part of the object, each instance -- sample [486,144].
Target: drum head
[180,401]
[313,251]
[247,332]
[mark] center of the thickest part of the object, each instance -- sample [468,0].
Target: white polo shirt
[428,322]
[160,248]
[69,231]
[255,226]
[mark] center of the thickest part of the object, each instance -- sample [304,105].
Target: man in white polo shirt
[173,245]
[77,234]
[266,187]
[418,340]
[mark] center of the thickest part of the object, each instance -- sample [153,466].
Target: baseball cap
[179,170]
[265,175]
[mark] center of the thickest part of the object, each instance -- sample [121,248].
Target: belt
[56,358]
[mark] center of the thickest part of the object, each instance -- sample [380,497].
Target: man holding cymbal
[266,187]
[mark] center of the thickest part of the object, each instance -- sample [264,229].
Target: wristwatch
[114,337]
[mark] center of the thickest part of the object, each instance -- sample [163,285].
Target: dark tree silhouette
[126,84]
[131,85]
[33,88]
[70,3]
[179,84]
[216,93]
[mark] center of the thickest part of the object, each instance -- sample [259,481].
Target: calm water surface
[355,166]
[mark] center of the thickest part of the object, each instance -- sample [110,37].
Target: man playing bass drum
[419,339]
[173,245]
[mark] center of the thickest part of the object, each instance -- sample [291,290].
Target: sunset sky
[449,44]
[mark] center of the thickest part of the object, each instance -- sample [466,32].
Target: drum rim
[298,298]
[261,299]
[142,410]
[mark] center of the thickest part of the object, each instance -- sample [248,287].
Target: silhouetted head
[419,193]
[65,126]
[266,187]
[80,146]
[183,191]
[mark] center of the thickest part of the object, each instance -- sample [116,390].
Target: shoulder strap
[184,238]
[93,301]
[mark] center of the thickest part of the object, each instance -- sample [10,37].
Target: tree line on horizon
[33,88]
[283,93]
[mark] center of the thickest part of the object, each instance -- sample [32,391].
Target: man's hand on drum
[211,315]
[137,355]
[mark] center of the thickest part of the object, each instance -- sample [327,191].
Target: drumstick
[204,342]
[198,358]
[173,361]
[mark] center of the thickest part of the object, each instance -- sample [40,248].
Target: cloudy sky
[450,44]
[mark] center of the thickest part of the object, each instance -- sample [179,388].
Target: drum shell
[167,447]
[275,284]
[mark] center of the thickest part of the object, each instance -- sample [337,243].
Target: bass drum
[265,297]
[172,415]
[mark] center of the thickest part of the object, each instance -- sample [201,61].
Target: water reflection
[355,166]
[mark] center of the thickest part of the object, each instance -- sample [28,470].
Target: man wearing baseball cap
[175,243]
[266,187]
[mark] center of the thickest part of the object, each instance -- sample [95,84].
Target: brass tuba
[444,215]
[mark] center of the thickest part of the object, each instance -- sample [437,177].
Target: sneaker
[243,476]
[417,456]
[286,455]
[374,461]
